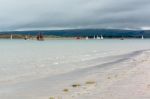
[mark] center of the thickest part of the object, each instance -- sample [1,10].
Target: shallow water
[22,60]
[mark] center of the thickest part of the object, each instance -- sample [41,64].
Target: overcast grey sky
[63,14]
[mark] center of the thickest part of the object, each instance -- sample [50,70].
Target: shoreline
[73,38]
[53,37]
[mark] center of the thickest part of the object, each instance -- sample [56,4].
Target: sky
[72,14]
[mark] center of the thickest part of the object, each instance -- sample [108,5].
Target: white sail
[87,38]
[142,37]
[94,37]
[11,37]
[102,37]
[98,37]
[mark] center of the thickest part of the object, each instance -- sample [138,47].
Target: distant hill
[111,33]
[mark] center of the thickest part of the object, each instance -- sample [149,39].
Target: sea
[25,60]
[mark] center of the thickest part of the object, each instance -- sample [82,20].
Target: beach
[71,69]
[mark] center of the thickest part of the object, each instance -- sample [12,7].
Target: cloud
[62,14]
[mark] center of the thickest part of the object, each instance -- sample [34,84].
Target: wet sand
[128,77]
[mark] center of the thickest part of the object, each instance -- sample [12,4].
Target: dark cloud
[59,14]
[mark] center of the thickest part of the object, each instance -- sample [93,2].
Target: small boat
[40,37]
[98,38]
[122,38]
[102,37]
[26,37]
[87,38]
[11,37]
[78,38]
[94,37]
[142,37]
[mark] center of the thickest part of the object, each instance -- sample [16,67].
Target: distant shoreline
[106,33]
[52,37]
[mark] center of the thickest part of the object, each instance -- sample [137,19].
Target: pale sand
[126,78]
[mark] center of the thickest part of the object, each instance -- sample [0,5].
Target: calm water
[23,60]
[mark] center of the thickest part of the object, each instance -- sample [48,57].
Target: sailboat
[142,37]
[122,38]
[102,37]
[94,37]
[98,37]
[29,36]
[11,37]
[87,38]
[40,37]
[26,37]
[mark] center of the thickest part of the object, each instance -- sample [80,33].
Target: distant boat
[122,38]
[26,37]
[87,38]
[142,37]
[40,37]
[78,38]
[102,37]
[29,36]
[11,37]
[98,37]
[94,37]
